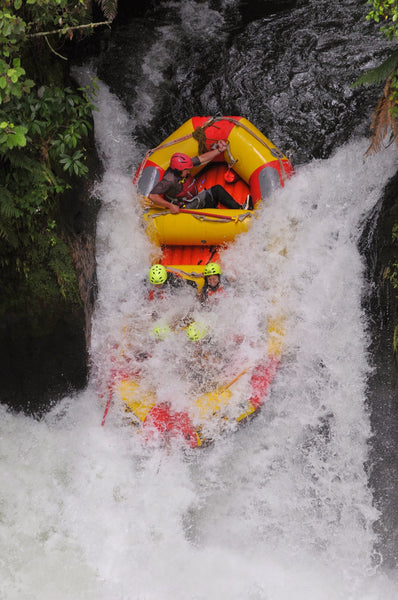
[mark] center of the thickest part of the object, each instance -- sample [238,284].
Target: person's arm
[211,155]
[158,200]
[203,295]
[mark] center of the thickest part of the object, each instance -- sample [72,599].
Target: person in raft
[162,285]
[203,356]
[163,281]
[178,188]
[212,288]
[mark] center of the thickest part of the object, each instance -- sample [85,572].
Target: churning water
[281,509]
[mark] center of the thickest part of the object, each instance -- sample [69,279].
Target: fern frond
[7,234]
[20,160]
[108,7]
[48,174]
[3,232]
[382,121]
[378,74]
[7,205]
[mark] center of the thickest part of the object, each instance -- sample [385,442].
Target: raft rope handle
[207,217]
[172,143]
[232,160]
[274,151]
[214,219]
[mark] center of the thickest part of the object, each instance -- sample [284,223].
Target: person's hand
[222,145]
[174,209]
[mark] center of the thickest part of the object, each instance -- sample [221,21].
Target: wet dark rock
[381,304]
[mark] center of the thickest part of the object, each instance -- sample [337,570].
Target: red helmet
[181,161]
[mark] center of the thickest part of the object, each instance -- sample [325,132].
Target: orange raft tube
[187,242]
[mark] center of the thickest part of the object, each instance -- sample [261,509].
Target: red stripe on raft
[218,131]
[173,424]
[262,379]
[254,183]
[148,163]
[162,420]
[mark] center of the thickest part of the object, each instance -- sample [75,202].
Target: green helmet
[161,332]
[157,274]
[212,269]
[196,331]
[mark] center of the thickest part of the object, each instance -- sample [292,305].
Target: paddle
[235,379]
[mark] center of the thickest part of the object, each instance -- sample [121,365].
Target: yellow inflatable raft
[188,241]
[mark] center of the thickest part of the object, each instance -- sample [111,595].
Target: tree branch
[66,29]
[52,49]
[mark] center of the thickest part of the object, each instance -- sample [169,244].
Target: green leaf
[20,139]
[378,74]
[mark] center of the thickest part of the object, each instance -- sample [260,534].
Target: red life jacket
[213,295]
[218,291]
[157,294]
[189,188]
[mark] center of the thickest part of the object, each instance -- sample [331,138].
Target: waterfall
[281,509]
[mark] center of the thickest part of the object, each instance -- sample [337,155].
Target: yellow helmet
[157,274]
[212,269]
[196,331]
[161,332]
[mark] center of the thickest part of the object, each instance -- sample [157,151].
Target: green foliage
[394,95]
[380,73]
[43,132]
[41,274]
[11,136]
[34,157]
[385,115]
[385,12]
[40,15]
